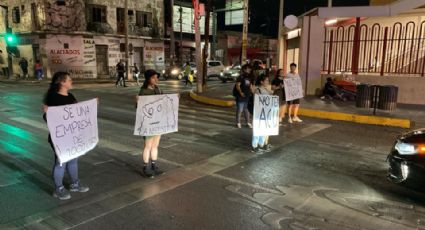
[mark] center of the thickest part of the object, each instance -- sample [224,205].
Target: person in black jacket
[120,70]
[58,94]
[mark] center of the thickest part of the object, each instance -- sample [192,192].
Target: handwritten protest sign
[73,129]
[266,115]
[293,88]
[157,114]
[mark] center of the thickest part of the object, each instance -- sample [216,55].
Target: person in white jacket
[263,88]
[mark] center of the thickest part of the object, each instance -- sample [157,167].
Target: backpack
[235,92]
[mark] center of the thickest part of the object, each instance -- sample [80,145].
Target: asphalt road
[320,174]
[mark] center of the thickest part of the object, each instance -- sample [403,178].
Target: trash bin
[388,97]
[363,96]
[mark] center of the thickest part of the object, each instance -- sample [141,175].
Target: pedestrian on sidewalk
[294,105]
[187,73]
[58,94]
[279,90]
[23,63]
[243,93]
[136,73]
[259,142]
[150,150]
[38,70]
[120,71]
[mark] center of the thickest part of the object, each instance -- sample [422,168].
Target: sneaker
[257,150]
[297,119]
[267,147]
[78,187]
[61,193]
[147,172]
[156,170]
[249,125]
[323,97]
[290,120]
[239,125]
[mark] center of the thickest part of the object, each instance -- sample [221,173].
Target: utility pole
[181,35]
[198,47]
[280,38]
[172,43]
[245,30]
[126,37]
[214,35]
[207,38]
[329,3]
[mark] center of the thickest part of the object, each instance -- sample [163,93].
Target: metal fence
[398,49]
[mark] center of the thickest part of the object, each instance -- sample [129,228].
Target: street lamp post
[280,38]
[245,30]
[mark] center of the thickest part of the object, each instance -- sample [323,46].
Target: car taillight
[421,149]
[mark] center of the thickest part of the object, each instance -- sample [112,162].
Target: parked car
[173,72]
[407,158]
[230,74]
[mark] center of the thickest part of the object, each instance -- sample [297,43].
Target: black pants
[187,80]
[120,76]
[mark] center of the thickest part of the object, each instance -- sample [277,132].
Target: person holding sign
[243,94]
[279,90]
[259,142]
[58,95]
[150,150]
[294,105]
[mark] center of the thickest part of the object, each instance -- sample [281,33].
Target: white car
[214,68]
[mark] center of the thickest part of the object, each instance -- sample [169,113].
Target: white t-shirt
[292,75]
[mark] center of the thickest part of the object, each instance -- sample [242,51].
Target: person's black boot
[155,169]
[147,171]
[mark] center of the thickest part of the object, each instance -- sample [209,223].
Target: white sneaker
[290,120]
[249,125]
[297,119]
[239,125]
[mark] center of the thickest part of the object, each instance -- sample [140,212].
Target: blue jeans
[242,106]
[59,170]
[258,141]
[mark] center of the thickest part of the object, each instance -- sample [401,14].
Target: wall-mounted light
[331,22]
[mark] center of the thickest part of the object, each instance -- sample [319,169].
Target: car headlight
[235,74]
[222,74]
[195,71]
[175,72]
[409,149]
[163,71]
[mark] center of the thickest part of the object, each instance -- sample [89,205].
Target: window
[16,15]
[66,45]
[61,3]
[214,63]
[143,19]
[120,15]
[98,13]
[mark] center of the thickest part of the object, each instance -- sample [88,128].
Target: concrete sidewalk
[405,116]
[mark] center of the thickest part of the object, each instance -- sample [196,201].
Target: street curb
[211,101]
[361,119]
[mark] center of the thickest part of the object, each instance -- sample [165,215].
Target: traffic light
[11,39]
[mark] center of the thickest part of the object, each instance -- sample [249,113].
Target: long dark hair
[55,85]
[278,73]
[261,78]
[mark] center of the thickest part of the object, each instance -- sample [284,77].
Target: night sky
[265,13]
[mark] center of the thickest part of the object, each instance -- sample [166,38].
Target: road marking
[143,190]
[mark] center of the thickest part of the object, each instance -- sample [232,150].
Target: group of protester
[248,84]
[255,82]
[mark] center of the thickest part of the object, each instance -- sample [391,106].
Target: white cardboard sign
[293,88]
[157,115]
[266,115]
[73,129]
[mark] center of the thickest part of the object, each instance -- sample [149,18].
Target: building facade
[84,37]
